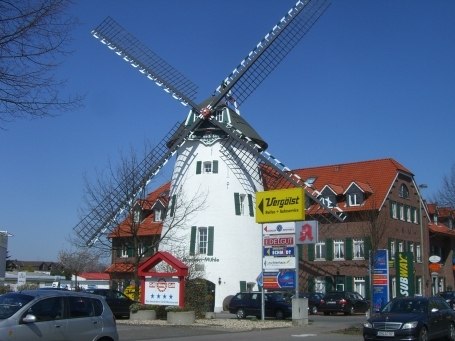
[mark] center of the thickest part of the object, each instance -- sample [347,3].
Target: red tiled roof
[94,276]
[148,226]
[441,229]
[432,208]
[120,267]
[445,212]
[374,176]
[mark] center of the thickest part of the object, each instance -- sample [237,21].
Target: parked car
[347,302]
[244,304]
[412,318]
[314,300]
[449,296]
[55,315]
[117,301]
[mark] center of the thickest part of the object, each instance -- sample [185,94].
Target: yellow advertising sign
[280,205]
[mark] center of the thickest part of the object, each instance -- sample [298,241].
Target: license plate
[331,302]
[381,333]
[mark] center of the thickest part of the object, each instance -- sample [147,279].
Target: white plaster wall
[237,239]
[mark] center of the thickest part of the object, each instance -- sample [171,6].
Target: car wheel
[326,313]
[423,335]
[241,313]
[451,333]
[313,310]
[279,315]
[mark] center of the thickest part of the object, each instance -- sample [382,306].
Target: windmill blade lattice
[148,62]
[270,51]
[115,205]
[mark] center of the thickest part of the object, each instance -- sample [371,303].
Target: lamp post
[422,186]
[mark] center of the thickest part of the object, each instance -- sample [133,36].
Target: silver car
[55,315]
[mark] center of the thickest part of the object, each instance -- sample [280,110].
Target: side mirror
[434,310]
[29,318]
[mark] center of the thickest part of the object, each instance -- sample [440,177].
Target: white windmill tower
[217,152]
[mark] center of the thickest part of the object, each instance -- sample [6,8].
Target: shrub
[135,307]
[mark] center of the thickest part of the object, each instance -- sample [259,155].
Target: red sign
[435,267]
[275,240]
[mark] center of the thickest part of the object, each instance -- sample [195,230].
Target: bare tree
[445,196]
[35,36]
[125,232]
[78,261]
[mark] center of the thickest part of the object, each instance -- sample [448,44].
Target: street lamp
[422,186]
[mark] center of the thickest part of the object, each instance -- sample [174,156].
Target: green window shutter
[210,241]
[215,166]
[130,252]
[172,205]
[367,287]
[399,210]
[328,283]
[406,212]
[310,251]
[349,252]
[391,208]
[310,284]
[198,167]
[367,244]
[242,285]
[300,251]
[349,283]
[329,253]
[250,205]
[237,203]
[193,240]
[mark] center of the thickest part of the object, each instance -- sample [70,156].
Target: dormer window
[404,191]
[137,217]
[354,199]
[158,215]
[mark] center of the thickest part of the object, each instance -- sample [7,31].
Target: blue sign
[380,279]
[279,251]
[279,279]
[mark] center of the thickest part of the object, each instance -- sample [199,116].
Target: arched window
[404,192]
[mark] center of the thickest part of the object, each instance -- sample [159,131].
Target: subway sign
[280,205]
[404,268]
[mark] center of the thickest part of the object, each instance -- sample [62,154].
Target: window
[415,216]
[158,215]
[392,250]
[419,285]
[207,167]
[393,209]
[319,251]
[408,214]
[359,285]
[401,211]
[202,240]
[329,200]
[338,249]
[137,217]
[242,204]
[219,115]
[359,249]
[404,192]
[124,252]
[411,248]
[400,246]
[310,181]
[48,309]
[239,204]
[418,254]
[354,199]
[80,307]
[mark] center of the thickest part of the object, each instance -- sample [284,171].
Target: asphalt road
[319,328]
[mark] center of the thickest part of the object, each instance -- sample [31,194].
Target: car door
[255,304]
[50,323]
[435,319]
[121,302]
[83,324]
[361,305]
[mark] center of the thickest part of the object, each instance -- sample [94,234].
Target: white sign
[434,259]
[162,291]
[279,228]
[278,263]
[21,278]
[306,232]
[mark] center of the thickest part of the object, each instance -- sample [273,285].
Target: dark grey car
[55,315]
[118,302]
[347,302]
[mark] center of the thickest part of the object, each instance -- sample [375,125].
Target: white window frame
[400,246]
[242,198]
[207,167]
[360,286]
[394,210]
[411,248]
[338,249]
[136,217]
[219,115]
[202,240]
[158,215]
[392,250]
[124,252]
[409,218]
[415,217]
[319,251]
[359,248]
[319,284]
[353,200]
[418,253]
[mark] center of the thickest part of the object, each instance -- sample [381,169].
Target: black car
[412,318]
[449,296]
[347,302]
[244,304]
[118,302]
[314,300]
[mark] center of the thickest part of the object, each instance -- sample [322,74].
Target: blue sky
[372,79]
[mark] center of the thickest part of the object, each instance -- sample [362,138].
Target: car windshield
[275,297]
[405,307]
[446,294]
[10,303]
[334,296]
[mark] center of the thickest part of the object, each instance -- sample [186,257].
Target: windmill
[218,150]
